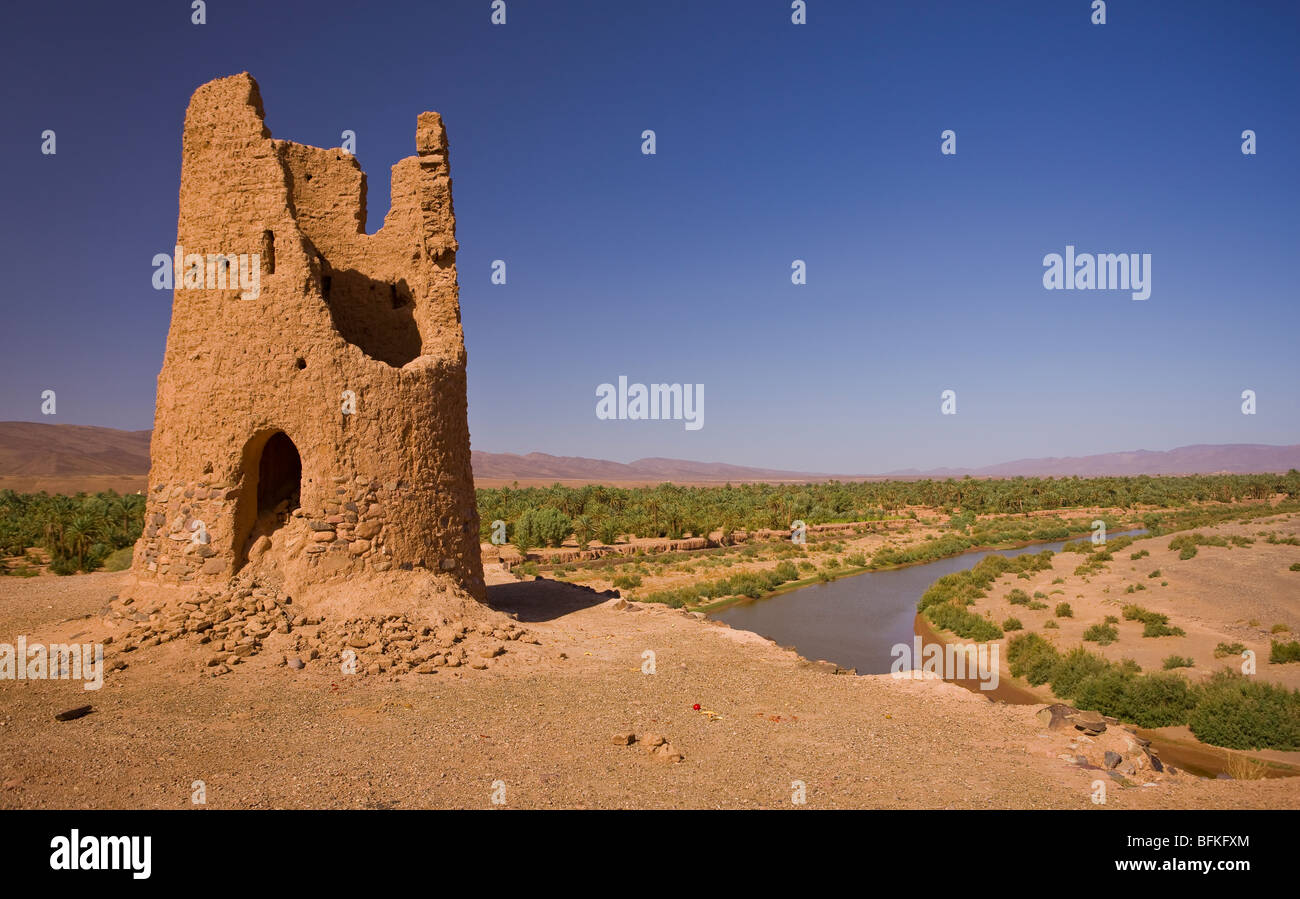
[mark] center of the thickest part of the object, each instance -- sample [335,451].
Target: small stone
[296,663]
[624,739]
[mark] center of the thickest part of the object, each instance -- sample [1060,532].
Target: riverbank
[1210,617]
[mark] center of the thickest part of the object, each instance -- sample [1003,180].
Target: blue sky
[775,142]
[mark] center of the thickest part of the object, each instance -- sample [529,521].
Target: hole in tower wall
[268,251]
[375,315]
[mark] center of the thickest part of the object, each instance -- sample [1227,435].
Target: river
[855,621]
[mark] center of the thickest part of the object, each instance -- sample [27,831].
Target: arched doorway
[279,476]
[272,488]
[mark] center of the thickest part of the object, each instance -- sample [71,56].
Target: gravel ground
[537,732]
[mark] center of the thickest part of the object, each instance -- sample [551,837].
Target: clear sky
[775,142]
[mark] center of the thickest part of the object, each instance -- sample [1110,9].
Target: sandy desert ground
[542,724]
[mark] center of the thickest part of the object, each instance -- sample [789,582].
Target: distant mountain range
[1200,458]
[33,449]
[64,458]
[541,466]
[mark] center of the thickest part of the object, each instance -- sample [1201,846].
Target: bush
[1172,662]
[1051,622]
[1074,668]
[119,560]
[1031,657]
[1104,692]
[1158,629]
[1154,623]
[63,566]
[787,572]
[1063,610]
[1241,713]
[1103,634]
[1229,649]
[1018,598]
[1158,700]
[625,581]
[963,623]
[1284,652]
[1012,624]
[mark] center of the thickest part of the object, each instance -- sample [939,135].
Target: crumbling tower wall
[322,423]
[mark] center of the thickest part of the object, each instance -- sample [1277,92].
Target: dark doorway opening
[279,476]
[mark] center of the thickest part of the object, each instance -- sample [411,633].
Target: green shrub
[1284,652]
[1159,629]
[1172,662]
[1012,624]
[1051,623]
[1031,657]
[1018,597]
[786,571]
[63,566]
[1103,634]
[1186,543]
[1073,668]
[625,581]
[119,559]
[1242,713]
[1155,573]
[963,622]
[1158,700]
[1063,610]
[1229,649]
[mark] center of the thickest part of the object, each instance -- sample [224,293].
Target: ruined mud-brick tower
[320,425]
